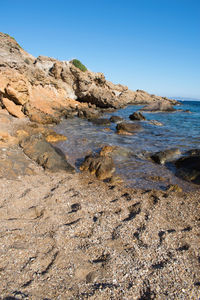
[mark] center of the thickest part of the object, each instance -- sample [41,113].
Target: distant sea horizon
[185,98]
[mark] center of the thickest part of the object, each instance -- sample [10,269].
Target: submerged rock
[101,121]
[137,116]
[53,137]
[162,157]
[156,123]
[128,128]
[116,119]
[39,150]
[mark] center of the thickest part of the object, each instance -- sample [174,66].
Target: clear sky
[145,44]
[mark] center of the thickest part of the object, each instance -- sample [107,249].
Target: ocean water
[180,130]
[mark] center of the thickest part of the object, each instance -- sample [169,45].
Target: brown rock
[12,108]
[159,107]
[36,148]
[137,116]
[128,128]
[101,166]
[54,137]
[106,150]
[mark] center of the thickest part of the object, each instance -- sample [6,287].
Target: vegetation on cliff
[79,65]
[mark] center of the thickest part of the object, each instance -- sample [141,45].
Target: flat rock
[39,150]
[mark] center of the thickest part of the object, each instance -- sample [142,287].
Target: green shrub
[79,65]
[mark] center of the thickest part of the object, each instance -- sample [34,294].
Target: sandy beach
[71,236]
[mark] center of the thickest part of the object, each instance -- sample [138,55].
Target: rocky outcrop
[44,89]
[159,107]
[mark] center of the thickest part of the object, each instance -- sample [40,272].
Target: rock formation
[44,89]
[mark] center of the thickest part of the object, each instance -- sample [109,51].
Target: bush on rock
[79,65]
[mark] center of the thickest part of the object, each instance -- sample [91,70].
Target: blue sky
[145,44]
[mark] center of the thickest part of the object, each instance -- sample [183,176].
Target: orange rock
[55,137]
[106,150]
[13,109]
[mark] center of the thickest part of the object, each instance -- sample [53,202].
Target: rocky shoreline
[68,235]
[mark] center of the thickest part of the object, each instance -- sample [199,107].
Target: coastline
[71,236]
[67,235]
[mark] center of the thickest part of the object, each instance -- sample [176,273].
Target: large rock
[128,128]
[101,166]
[162,157]
[189,166]
[137,116]
[39,150]
[116,119]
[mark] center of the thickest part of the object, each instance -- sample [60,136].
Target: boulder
[137,116]
[162,157]
[101,121]
[116,119]
[47,156]
[88,113]
[188,166]
[128,128]
[101,166]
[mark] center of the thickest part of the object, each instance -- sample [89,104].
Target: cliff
[44,88]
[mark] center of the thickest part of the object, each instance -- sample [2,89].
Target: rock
[189,166]
[162,157]
[89,114]
[156,123]
[137,116]
[56,88]
[39,150]
[159,107]
[100,121]
[101,166]
[115,180]
[12,108]
[54,137]
[35,115]
[174,188]
[107,150]
[128,128]
[116,119]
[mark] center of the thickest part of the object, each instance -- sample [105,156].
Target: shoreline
[71,236]
[74,237]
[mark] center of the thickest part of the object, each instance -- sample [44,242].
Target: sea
[180,129]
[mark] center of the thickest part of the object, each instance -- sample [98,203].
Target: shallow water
[180,130]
